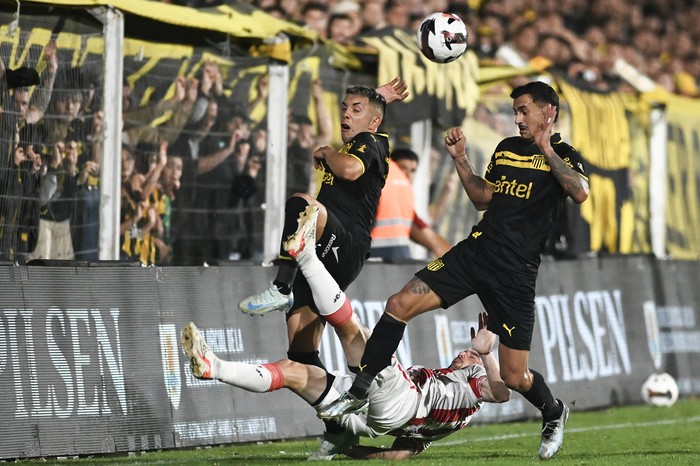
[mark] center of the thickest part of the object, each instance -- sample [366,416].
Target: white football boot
[553,434]
[303,241]
[197,350]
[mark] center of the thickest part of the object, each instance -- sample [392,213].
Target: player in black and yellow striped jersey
[524,188]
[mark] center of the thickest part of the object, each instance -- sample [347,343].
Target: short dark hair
[404,154]
[318,6]
[376,100]
[542,93]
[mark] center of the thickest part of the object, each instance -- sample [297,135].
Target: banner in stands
[683,185]
[90,360]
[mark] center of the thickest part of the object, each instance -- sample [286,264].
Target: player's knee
[515,380]
[400,307]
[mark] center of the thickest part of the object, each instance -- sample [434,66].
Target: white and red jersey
[448,400]
[419,403]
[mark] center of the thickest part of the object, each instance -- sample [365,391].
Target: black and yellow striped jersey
[527,197]
[354,203]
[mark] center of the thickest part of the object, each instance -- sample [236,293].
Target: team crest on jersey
[346,148]
[538,161]
[436,265]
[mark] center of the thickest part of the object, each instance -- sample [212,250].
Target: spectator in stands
[396,14]
[352,10]
[137,121]
[315,15]
[340,27]
[131,208]
[164,194]
[57,198]
[21,132]
[397,223]
[85,222]
[302,141]
[216,182]
[372,15]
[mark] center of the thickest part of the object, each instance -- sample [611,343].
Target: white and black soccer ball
[442,37]
[660,390]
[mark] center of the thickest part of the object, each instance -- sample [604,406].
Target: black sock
[384,341]
[540,396]
[286,273]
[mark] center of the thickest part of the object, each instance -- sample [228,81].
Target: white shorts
[393,401]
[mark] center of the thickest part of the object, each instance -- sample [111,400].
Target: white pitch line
[572,430]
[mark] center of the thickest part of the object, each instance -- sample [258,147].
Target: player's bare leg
[353,337]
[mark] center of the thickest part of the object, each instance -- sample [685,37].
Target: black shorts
[505,287]
[343,255]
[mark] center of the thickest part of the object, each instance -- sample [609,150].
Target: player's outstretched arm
[343,166]
[493,389]
[479,191]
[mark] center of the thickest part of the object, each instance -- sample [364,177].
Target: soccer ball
[660,390]
[442,37]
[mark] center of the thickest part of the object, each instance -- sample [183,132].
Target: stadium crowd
[580,39]
[192,186]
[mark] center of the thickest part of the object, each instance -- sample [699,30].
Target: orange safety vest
[395,211]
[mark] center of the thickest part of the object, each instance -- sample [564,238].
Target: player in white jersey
[417,405]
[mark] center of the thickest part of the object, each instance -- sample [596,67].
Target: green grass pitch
[633,435]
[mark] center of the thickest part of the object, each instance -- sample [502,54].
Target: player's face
[465,359]
[357,117]
[528,116]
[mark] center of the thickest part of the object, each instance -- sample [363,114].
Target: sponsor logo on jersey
[362,148]
[476,234]
[513,188]
[436,265]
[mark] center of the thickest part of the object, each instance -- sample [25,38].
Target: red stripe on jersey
[421,375]
[405,375]
[451,415]
[277,381]
[475,384]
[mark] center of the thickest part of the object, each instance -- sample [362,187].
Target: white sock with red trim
[331,301]
[254,378]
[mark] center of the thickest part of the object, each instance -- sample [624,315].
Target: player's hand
[395,90]
[319,155]
[483,339]
[456,142]
[544,131]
